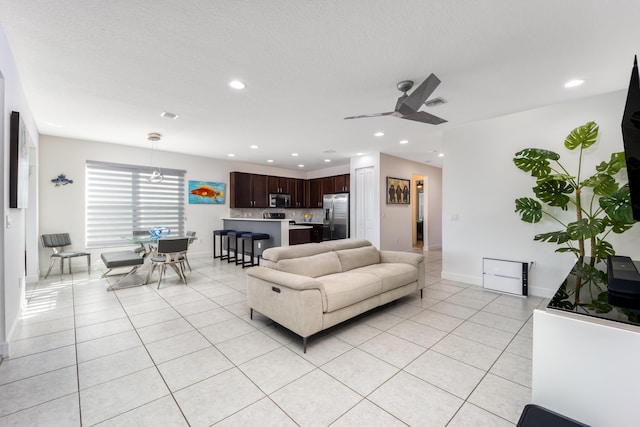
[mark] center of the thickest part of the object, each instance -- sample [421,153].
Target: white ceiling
[106,70]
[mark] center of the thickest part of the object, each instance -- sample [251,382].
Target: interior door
[364,204]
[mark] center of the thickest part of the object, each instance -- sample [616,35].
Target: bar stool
[221,234]
[235,235]
[253,237]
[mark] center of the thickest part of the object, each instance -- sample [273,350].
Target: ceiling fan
[408,105]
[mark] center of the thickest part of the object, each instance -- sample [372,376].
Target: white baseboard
[472,280]
[435,248]
[4,349]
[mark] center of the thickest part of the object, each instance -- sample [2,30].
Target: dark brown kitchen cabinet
[341,183]
[248,190]
[298,237]
[297,191]
[317,233]
[314,193]
[328,185]
[278,184]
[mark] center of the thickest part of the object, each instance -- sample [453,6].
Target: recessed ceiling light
[294,154]
[270,161]
[169,115]
[441,155]
[378,134]
[253,147]
[237,84]
[231,155]
[359,154]
[300,166]
[573,83]
[404,141]
[327,160]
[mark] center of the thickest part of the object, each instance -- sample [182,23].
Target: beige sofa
[311,287]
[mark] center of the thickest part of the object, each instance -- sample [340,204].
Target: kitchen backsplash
[294,214]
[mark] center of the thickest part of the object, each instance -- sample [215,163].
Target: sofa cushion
[344,289]
[297,251]
[311,266]
[392,275]
[340,244]
[359,257]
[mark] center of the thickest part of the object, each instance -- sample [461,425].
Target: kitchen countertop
[299,227]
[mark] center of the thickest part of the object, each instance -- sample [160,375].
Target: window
[119,200]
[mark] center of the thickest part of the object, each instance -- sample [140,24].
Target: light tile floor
[190,355]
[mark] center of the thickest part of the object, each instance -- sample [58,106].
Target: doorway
[418,213]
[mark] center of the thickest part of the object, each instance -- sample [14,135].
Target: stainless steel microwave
[279,200]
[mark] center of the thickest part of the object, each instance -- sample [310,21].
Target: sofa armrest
[296,302]
[404,257]
[282,278]
[417,260]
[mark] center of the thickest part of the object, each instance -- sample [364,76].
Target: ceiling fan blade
[423,117]
[370,115]
[413,102]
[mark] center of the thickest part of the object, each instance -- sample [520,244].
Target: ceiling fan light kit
[407,105]
[156,175]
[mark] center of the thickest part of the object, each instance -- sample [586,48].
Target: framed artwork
[18,163]
[204,192]
[398,191]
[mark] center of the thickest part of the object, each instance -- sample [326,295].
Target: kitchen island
[278,229]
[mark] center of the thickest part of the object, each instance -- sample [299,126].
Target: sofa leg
[420,293]
[251,313]
[304,344]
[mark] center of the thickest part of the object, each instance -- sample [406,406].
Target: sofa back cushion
[341,244]
[358,257]
[297,251]
[311,266]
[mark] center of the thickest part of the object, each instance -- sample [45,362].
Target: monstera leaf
[530,210]
[617,206]
[583,136]
[585,229]
[553,191]
[613,166]
[536,161]
[558,237]
[602,250]
[603,184]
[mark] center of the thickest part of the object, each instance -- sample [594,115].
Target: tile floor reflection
[190,355]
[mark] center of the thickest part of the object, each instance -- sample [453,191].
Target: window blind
[119,200]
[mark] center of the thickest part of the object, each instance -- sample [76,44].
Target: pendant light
[156,175]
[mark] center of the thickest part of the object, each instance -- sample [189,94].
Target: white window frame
[119,199]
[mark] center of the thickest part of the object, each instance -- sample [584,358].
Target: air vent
[329,151]
[169,115]
[435,102]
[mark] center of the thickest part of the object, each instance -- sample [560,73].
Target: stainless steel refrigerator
[336,216]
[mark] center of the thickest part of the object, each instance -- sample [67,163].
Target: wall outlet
[259,245]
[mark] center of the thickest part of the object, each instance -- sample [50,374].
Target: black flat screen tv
[631,138]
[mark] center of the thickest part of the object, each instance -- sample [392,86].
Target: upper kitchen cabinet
[297,191]
[314,193]
[278,184]
[248,190]
[342,183]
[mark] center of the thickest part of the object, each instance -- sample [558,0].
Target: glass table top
[585,292]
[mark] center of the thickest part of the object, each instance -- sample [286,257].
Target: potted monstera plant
[601,202]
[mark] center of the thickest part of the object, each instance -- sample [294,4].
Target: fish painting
[206,192]
[61,180]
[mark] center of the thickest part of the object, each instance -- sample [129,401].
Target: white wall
[480,184]
[62,209]
[12,250]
